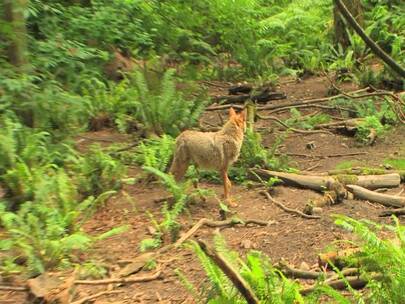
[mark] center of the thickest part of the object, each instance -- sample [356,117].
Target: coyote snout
[211,150]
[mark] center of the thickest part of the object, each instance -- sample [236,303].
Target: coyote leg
[227,188]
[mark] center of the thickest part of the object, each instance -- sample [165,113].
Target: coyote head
[239,119]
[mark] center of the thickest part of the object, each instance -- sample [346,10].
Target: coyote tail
[181,161]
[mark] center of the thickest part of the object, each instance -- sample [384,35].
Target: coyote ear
[232,112]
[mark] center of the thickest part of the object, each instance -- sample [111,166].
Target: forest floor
[288,237]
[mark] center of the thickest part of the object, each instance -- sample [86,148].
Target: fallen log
[372,196]
[358,171]
[319,183]
[396,212]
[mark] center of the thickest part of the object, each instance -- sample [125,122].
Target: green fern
[378,255]
[156,153]
[165,110]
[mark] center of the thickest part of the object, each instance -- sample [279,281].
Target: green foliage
[98,171]
[253,154]
[115,101]
[269,285]
[165,110]
[149,243]
[396,163]
[92,270]
[45,233]
[364,128]
[378,255]
[181,197]
[155,152]
[306,122]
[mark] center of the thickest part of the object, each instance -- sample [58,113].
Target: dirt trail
[295,239]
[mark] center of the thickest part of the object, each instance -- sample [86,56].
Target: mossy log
[320,183]
[357,171]
[372,196]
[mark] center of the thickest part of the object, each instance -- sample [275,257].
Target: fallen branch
[303,102]
[291,128]
[323,99]
[215,224]
[155,276]
[354,282]
[97,295]
[312,106]
[372,196]
[298,273]
[397,212]
[13,288]
[288,210]
[231,273]
[326,156]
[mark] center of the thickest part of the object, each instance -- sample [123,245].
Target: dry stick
[216,224]
[298,273]
[94,296]
[13,288]
[288,210]
[290,128]
[370,43]
[121,280]
[325,156]
[232,274]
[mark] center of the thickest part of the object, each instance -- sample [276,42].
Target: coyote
[211,150]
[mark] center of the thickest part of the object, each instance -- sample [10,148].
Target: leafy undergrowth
[270,285]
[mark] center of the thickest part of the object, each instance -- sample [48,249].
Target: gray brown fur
[210,150]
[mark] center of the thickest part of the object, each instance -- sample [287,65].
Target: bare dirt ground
[289,237]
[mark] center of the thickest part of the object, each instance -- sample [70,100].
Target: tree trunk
[356,9]
[17,35]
